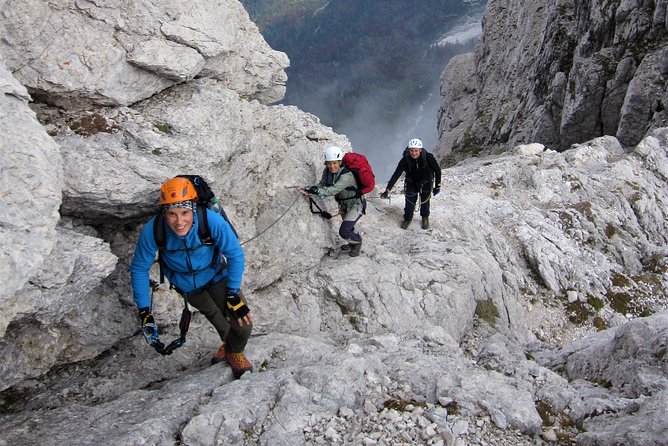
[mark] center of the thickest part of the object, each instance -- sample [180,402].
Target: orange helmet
[177,190]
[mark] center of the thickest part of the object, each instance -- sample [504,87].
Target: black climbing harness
[315,209]
[311,204]
[418,201]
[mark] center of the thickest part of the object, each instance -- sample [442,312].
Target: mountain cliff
[574,71]
[534,310]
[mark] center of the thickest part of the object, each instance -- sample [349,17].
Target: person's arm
[142,260]
[345,181]
[433,165]
[314,189]
[229,246]
[401,168]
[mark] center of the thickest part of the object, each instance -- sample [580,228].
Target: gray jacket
[343,186]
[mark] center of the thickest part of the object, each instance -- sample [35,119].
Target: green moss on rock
[487,311]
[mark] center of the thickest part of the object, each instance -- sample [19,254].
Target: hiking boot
[219,356]
[405,223]
[425,222]
[346,247]
[239,363]
[355,249]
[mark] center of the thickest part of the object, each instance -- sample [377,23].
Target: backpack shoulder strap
[203,225]
[204,234]
[159,234]
[160,237]
[358,184]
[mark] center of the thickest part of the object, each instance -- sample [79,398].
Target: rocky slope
[470,333]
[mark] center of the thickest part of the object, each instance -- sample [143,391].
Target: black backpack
[206,199]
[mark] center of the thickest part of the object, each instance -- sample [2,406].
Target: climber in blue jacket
[207,275]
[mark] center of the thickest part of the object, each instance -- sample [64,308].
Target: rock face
[32,173]
[118,53]
[575,71]
[469,331]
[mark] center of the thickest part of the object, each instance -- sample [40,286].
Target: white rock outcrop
[118,53]
[32,179]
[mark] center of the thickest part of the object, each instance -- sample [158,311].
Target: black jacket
[418,171]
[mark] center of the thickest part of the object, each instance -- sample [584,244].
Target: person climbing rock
[196,270]
[338,181]
[422,173]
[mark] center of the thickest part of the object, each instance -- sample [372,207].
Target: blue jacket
[187,263]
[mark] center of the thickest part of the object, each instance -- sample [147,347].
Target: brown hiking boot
[405,223]
[346,247]
[425,222]
[239,363]
[219,356]
[355,249]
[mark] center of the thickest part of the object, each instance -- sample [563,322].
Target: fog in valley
[380,123]
[382,137]
[371,75]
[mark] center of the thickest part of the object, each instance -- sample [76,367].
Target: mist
[383,141]
[379,121]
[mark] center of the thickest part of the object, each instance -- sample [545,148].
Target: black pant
[412,191]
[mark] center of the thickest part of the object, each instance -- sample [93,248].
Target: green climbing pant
[212,303]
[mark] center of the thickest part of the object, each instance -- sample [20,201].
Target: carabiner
[150,332]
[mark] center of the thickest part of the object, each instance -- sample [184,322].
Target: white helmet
[333,153]
[415,143]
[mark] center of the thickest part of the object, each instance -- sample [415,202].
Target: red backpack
[360,167]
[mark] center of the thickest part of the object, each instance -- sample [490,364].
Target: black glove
[145,316]
[385,194]
[313,190]
[437,190]
[236,305]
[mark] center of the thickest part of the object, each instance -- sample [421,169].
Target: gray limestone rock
[170,60]
[31,181]
[119,53]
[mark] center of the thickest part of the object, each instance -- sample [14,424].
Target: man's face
[179,220]
[333,166]
[414,153]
